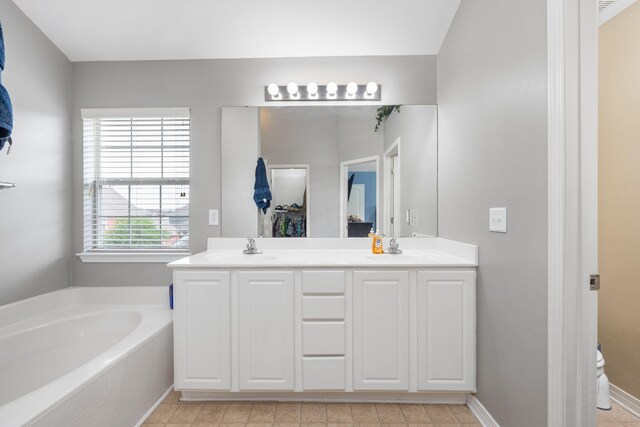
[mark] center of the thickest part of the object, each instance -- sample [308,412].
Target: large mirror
[331,171]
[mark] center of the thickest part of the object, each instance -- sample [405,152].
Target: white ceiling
[115,30]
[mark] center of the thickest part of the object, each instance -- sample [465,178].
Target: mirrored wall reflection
[361,201]
[288,214]
[331,174]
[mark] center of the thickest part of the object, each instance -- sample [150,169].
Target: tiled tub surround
[85,356]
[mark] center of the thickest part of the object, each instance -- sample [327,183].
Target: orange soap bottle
[377,244]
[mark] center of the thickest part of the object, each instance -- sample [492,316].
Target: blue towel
[261,192]
[6,110]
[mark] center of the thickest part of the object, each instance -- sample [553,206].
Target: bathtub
[85,356]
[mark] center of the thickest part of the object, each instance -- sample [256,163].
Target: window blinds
[136,179]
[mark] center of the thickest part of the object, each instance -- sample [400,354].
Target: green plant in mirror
[384,112]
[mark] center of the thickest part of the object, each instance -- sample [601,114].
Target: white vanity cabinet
[330,330]
[381,330]
[202,330]
[446,330]
[265,330]
[324,330]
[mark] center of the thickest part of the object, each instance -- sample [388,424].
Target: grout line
[244,423]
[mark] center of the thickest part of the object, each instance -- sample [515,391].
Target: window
[136,180]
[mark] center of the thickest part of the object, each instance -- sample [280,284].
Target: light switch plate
[498,220]
[213,217]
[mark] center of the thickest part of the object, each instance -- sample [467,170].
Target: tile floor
[173,413]
[617,417]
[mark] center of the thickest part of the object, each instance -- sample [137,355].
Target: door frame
[572,211]
[389,154]
[343,192]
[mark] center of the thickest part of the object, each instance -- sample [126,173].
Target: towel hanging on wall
[6,110]
[261,192]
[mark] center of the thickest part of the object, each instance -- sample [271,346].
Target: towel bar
[6,185]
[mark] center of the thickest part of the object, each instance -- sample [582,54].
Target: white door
[446,330]
[355,206]
[381,330]
[202,330]
[266,330]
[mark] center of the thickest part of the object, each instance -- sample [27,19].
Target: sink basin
[233,257]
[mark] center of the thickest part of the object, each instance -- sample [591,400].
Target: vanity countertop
[433,252]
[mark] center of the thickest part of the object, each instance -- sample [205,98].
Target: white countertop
[433,252]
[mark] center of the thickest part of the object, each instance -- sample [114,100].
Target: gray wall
[417,128]
[241,131]
[492,93]
[205,86]
[356,136]
[35,217]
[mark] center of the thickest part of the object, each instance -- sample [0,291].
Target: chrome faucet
[251,247]
[394,247]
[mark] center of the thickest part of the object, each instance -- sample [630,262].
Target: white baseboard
[154,406]
[481,412]
[624,399]
[453,398]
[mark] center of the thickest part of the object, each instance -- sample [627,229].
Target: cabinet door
[381,330]
[202,330]
[266,330]
[446,330]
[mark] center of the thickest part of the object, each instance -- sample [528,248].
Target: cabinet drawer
[323,282]
[323,373]
[323,339]
[323,307]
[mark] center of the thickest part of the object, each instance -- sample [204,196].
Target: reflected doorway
[289,214]
[359,196]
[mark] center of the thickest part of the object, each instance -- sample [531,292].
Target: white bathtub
[85,356]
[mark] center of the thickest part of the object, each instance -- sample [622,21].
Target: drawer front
[323,282]
[322,308]
[323,339]
[323,373]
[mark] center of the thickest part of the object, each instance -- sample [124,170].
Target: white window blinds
[136,179]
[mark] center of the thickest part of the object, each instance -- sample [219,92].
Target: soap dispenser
[377,243]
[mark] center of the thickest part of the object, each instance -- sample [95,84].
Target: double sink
[305,257]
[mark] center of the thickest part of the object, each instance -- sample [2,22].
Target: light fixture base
[322,94]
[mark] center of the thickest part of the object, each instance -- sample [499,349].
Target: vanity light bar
[329,92]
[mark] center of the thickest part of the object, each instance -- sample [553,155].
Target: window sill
[140,257]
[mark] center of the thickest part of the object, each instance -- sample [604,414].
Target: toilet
[603,400]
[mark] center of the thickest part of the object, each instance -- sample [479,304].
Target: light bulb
[273,89]
[312,89]
[352,88]
[372,87]
[332,88]
[292,88]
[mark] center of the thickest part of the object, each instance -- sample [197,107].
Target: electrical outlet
[414,217]
[498,220]
[213,216]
